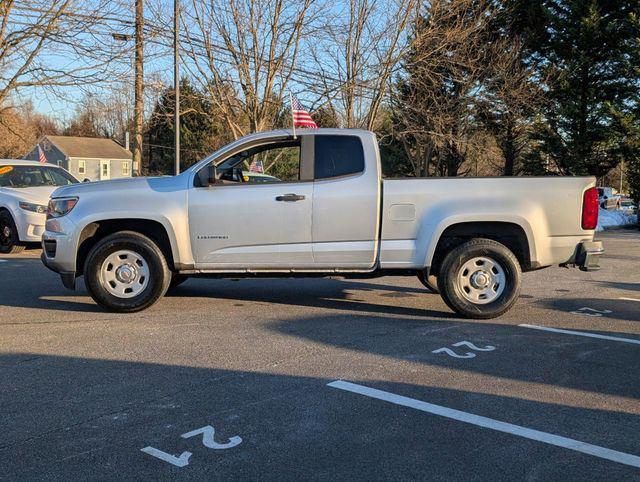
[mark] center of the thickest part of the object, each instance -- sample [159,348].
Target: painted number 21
[208,440]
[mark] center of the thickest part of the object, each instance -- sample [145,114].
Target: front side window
[337,156]
[271,163]
[34,176]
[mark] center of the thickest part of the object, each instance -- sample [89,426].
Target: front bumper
[59,247]
[68,277]
[588,255]
[30,225]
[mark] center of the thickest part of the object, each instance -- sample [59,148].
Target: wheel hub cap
[481,280]
[124,274]
[6,232]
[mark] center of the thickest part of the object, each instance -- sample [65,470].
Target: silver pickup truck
[325,211]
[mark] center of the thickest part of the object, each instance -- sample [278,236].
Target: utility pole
[139,89]
[176,80]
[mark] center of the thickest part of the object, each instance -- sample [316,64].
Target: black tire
[177,280]
[159,273]
[430,282]
[9,241]
[452,265]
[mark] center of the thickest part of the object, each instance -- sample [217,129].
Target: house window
[82,167]
[126,169]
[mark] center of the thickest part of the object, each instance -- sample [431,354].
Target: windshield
[34,176]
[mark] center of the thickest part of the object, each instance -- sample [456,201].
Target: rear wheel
[126,272]
[9,241]
[480,279]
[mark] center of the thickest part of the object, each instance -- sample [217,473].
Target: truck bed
[548,209]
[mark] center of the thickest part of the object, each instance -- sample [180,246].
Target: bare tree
[359,55]
[243,53]
[435,101]
[49,44]
[21,129]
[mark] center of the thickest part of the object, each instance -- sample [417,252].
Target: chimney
[126,140]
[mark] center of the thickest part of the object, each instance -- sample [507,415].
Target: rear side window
[337,156]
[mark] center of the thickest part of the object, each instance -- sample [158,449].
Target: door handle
[290,197]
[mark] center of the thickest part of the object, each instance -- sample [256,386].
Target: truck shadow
[43,290]
[519,357]
[314,292]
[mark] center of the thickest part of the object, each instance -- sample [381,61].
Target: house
[92,158]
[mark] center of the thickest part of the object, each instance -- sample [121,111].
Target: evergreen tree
[200,130]
[588,52]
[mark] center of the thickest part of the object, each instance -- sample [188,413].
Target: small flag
[256,166]
[42,159]
[301,117]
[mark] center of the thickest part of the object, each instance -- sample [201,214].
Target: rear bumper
[588,255]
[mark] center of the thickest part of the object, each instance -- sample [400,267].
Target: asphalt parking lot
[323,379]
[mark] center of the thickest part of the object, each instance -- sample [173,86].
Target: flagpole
[293,120]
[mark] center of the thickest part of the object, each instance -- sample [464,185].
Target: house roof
[90,147]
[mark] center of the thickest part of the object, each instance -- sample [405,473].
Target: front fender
[180,247]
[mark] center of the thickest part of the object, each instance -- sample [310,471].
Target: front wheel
[480,279]
[126,272]
[9,241]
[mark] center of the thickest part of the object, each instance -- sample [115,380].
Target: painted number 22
[208,440]
[590,312]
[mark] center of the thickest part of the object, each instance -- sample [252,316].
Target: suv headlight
[61,206]
[35,208]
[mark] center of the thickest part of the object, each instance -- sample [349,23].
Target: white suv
[25,188]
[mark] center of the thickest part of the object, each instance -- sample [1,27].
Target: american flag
[42,159]
[256,166]
[301,117]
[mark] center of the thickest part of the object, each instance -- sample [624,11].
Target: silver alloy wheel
[124,274]
[481,280]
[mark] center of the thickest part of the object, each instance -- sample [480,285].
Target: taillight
[590,209]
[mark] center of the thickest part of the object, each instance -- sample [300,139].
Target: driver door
[260,221]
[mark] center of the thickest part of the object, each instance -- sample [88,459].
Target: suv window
[337,156]
[34,176]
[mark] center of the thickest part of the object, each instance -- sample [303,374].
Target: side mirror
[212,174]
[86,179]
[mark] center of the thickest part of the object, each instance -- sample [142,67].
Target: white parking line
[629,299]
[485,422]
[582,333]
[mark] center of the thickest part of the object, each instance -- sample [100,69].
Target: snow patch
[610,219]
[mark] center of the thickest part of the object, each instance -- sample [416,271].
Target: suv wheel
[480,279]
[9,241]
[126,272]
